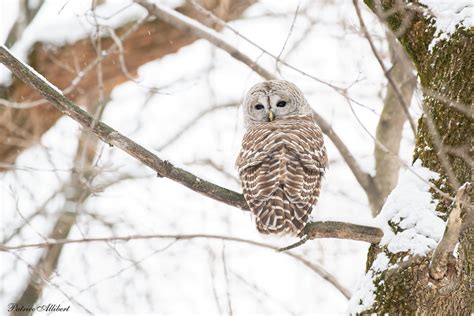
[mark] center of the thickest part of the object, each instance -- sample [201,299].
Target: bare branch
[365,180]
[152,40]
[316,268]
[337,230]
[187,24]
[439,261]
[193,121]
[386,72]
[340,230]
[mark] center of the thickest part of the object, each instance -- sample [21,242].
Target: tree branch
[439,261]
[163,168]
[59,242]
[67,67]
[340,230]
[187,24]
[392,83]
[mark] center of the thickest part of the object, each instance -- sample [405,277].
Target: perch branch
[162,167]
[340,230]
[439,261]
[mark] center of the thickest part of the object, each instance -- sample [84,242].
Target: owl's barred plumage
[282,160]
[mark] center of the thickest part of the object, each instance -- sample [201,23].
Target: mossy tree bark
[444,143]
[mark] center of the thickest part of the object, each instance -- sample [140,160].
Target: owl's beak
[271,116]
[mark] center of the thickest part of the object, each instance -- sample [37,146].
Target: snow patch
[365,295]
[409,207]
[447,15]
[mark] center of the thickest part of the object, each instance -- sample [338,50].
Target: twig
[163,168]
[81,73]
[193,121]
[365,180]
[341,230]
[288,36]
[316,268]
[302,241]
[386,72]
[209,15]
[439,261]
[187,24]
[446,196]
[439,148]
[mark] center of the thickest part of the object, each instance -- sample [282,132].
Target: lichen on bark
[445,75]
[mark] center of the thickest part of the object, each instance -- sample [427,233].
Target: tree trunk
[444,144]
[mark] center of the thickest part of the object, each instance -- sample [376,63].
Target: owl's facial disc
[258,108]
[273,100]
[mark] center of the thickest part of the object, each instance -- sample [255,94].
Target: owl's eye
[259,106]
[281,104]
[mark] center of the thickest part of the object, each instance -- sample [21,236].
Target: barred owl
[283,158]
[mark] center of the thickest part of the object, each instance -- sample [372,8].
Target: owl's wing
[253,151]
[281,166]
[256,164]
[307,163]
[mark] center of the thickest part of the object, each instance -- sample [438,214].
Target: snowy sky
[188,277]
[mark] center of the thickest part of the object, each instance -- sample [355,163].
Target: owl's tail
[278,216]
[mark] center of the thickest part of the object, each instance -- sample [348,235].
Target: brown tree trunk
[444,143]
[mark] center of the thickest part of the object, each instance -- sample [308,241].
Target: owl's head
[273,100]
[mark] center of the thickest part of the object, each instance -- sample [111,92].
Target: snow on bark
[410,225]
[449,14]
